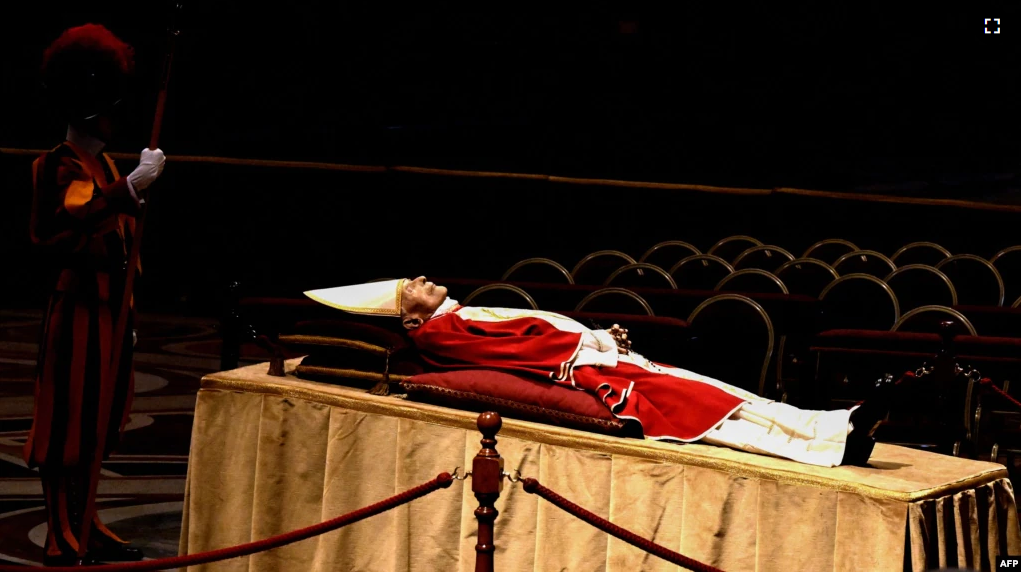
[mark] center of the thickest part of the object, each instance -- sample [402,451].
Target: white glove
[150,166]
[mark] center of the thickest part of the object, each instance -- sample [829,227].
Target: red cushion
[516,397]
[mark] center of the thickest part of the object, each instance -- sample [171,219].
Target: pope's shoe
[858,448]
[867,417]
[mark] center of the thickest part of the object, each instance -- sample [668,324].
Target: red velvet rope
[533,486]
[442,481]
[989,383]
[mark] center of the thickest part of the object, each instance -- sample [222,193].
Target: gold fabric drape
[272,454]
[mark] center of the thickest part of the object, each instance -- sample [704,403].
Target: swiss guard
[82,223]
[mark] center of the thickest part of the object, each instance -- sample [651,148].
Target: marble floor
[142,488]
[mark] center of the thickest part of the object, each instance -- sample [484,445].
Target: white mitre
[373,298]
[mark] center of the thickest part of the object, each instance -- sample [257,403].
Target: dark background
[829,98]
[858,98]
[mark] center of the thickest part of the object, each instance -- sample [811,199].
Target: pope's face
[420,300]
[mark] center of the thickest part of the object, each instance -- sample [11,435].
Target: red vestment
[667,406]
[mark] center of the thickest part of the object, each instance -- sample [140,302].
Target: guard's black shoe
[116,553]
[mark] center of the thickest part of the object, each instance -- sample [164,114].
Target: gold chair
[668,253]
[830,250]
[538,270]
[918,285]
[928,253]
[976,280]
[615,301]
[501,296]
[700,272]
[594,268]
[806,276]
[927,319]
[864,262]
[729,248]
[733,342]
[1008,263]
[640,275]
[752,280]
[859,302]
[766,257]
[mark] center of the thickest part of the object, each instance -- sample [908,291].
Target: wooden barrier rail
[323,166]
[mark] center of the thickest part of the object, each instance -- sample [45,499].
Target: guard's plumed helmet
[85,72]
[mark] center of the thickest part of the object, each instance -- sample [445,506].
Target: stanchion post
[487,484]
[949,391]
[230,326]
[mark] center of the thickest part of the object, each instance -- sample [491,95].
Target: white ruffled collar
[87,142]
[444,308]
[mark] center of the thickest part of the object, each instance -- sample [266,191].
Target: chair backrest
[766,257]
[381,280]
[732,341]
[927,319]
[928,253]
[864,262]
[700,272]
[538,270]
[640,275]
[752,280]
[918,285]
[500,296]
[976,280]
[615,301]
[1008,263]
[830,250]
[668,253]
[595,268]
[729,248]
[859,302]
[806,276]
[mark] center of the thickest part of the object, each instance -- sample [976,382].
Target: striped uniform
[82,220]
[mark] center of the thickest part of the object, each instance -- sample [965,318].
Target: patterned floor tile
[142,489]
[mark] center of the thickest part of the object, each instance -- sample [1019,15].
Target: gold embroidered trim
[524,314]
[373,311]
[551,435]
